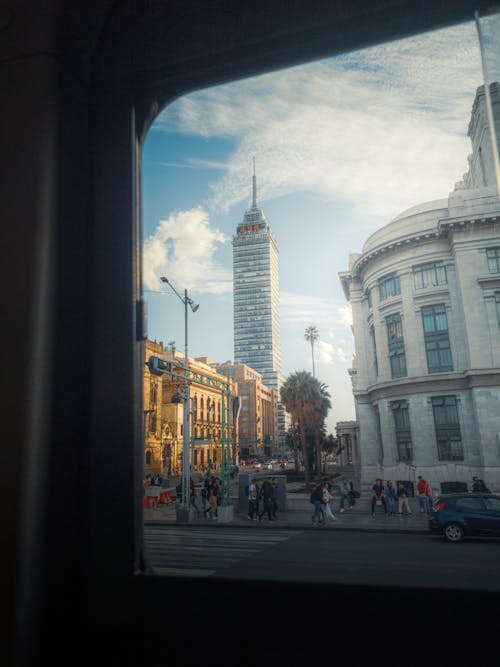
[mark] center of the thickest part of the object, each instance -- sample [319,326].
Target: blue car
[459,515]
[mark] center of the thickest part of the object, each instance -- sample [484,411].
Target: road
[360,558]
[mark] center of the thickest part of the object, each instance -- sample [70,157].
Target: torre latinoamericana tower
[256,301]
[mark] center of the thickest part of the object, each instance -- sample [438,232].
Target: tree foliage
[308,401]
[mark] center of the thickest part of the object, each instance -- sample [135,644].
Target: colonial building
[154,453]
[258,411]
[210,414]
[425,297]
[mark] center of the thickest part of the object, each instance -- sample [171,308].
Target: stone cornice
[444,226]
[445,382]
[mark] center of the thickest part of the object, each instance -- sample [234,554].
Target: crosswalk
[198,551]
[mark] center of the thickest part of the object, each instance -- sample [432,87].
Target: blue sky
[341,147]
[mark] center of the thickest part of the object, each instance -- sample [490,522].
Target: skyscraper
[256,315]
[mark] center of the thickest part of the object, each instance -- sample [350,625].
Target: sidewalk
[358,518]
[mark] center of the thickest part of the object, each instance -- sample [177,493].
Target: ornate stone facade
[425,297]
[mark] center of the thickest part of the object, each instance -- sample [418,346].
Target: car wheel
[453,532]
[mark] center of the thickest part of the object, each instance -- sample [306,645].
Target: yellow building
[164,411]
[154,453]
[257,425]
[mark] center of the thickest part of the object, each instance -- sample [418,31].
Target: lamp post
[185,395]
[210,435]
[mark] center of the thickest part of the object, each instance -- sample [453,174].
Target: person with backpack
[267,496]
[316,499]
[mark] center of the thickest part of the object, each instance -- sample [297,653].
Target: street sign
[159,366]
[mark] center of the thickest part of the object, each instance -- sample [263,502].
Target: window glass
[469,503]
[493,255]
[389,286]
[492,504]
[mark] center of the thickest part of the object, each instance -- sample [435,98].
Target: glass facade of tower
[256,301]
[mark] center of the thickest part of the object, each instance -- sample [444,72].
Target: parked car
[459,515]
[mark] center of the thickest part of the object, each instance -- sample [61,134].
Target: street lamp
[185,395]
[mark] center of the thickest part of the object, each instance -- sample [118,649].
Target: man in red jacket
[424,493]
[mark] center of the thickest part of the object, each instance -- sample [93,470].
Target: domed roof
[421,218]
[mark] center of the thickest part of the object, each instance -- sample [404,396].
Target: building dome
[422,218]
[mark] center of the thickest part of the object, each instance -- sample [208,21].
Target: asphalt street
[308,555]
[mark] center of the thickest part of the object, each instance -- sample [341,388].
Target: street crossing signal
[159,366]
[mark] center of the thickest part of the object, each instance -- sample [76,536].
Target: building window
[401,415]
[368,296]
[449,440]
[437,341]
[396,344]
[426,275]
[493,255]
[389,286]
[374,348]
[497,303]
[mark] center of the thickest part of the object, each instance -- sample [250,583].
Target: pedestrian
[267,496]
[390,497]
[252,500]
[316,499]
[274,482]
[478,486]
[192,495]
[402,493]
[205,504]
[345,495]
[423,490]
[212,497]
[378,496]
[258,501]
[326,497]
[352,492]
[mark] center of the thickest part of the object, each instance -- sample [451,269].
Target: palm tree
[307,401]
[312,335]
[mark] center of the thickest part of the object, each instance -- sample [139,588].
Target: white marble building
[425,297]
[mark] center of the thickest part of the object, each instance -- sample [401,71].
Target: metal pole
[185,427]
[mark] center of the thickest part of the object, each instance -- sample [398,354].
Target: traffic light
[159,366]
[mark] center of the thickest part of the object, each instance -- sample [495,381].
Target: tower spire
[254,188]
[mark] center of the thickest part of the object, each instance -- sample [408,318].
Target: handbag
[378,503]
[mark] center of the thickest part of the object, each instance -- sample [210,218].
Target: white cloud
[384,127]
[304,309]
[183,248]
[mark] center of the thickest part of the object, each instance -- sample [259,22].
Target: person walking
[252,501]
[205,504]
[316,499]
[378,496]
[192,496]
[274,482]
[478,486]
[390,497]
[423,490]
[213,492]
[345,495]
[402,493]
[267,495]
[326,497]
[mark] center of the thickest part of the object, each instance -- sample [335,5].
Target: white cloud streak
[383,128]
